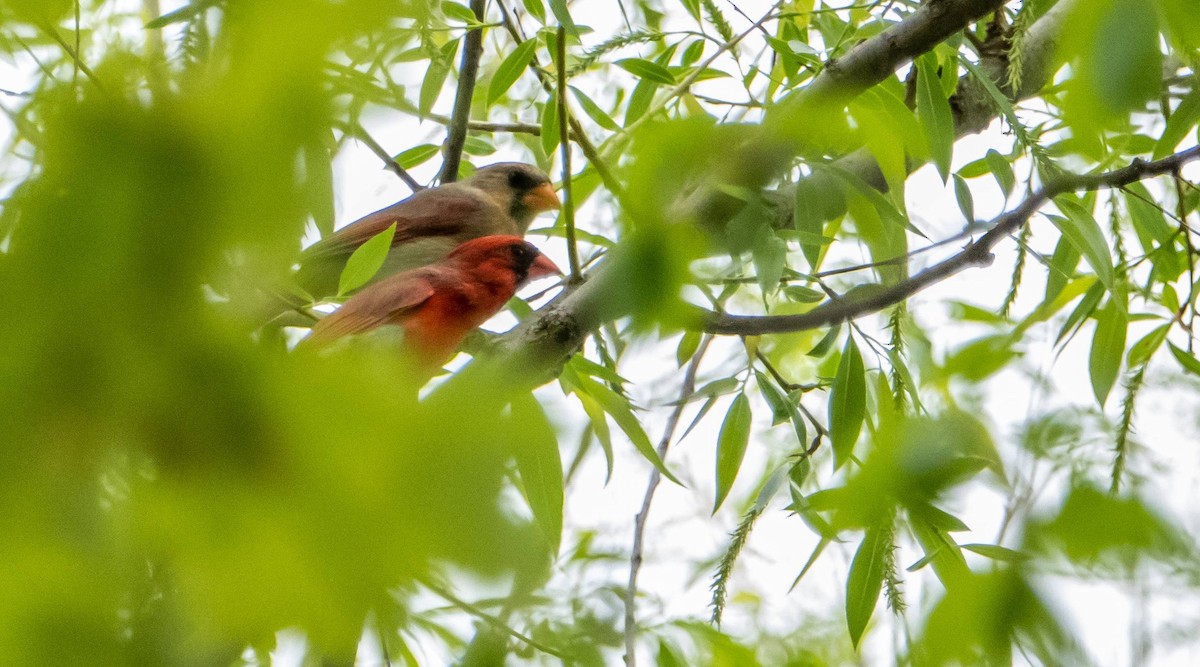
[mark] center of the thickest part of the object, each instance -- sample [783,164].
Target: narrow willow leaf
[1085,233]
[182,14]
[417,155]
[639,100]
[847,403]
[731,446]
[999,99]
[1087,304]
[1141,351]
[826,343]
[510,70]
[536,9]
[770,255]
[593,111]
[559,7]
[996,552]
[933,110]
[535,449]
[783,408]
[618,408]
[801,294]
[1061,268]
[812,559]
[453,10]
[1182,119]
[1108,348]
[435,77]
[865,580]
[966,203]
[1189,363]
[688,345]
[366,261]
[1001,170]
[550,133]
[645,69]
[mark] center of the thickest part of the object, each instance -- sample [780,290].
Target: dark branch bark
[557,330]
[457,135]
[976,253]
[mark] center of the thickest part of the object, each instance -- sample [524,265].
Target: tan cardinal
[501,198]
[437,305]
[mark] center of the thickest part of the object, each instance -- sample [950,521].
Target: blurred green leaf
[933,110]
[731,446]
[1182,119]
[1108,348]
[1082,229]
[435,77]
[540,466]
[1186,360]
[366,261]
[847,403]
[865,580]
[645,69]
[510,69]
[563,15]
[966,203]
[593,111]
[417,155]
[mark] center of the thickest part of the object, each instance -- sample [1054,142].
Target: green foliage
[178,486]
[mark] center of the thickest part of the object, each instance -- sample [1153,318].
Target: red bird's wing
[387,302]
[445,211]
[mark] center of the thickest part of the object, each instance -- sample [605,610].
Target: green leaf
[826,343]
[865,580]
[366,261]
[1108,348]
[1082,229]
[770,254]
[593,111]
[801,294]
[1189,363]
[1087,304]
[783,408]
[1141,351]
[966,203]
[453,10]
[510,70]
[847,403]
[618,408]
[933,110]
[550,134]
[640,100]
[645,69]
[559,7]
[538,461]
[1061,268]
[996,552]
[1001,170]
[435,77]
[999,99]
[688,345]
[182,14]
[417,155]
[536,9]
[1182,119]
[731,446]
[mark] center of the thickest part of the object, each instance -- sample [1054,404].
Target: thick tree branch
[976,253]
[457,135]
[558,329]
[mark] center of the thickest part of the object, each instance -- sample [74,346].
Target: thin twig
[976,253]
[490,620]
[360,132]
[639,528]
[589,150]
[87,71]
[468,70]
[568,207]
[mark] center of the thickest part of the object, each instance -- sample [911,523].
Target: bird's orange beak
[542,198]
[542,267]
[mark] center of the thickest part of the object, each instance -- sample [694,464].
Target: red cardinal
[501,198]
[439,304]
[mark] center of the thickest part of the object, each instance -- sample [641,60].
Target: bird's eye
[519,180]
[522,253]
